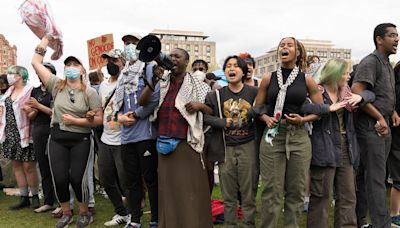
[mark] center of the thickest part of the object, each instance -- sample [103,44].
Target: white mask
[199,75]
[11,79]
[130,52]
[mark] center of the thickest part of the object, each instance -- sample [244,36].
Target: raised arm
[37,61]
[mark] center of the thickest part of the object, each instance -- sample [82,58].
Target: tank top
[295,96]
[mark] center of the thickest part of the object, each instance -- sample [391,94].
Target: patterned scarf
[280,100]
[127,83]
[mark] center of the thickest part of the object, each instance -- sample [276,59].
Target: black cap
[50,67]
[72,58]
[212,76]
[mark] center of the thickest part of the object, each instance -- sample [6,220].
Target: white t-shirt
[112,129]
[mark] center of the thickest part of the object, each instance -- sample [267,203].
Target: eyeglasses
[71,96]
[392,35]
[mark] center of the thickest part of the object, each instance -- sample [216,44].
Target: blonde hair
[333,71]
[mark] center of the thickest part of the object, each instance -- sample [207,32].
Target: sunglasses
[200,69]
[71,96]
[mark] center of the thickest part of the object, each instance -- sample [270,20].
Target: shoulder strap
[109,98]
[220,116]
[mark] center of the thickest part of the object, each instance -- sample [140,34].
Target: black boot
[24,202]
[35,202]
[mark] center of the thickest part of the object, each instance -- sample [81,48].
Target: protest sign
[98,46]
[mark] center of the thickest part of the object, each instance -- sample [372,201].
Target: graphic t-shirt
[112,129]
[237,107]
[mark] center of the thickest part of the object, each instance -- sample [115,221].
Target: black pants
[40,136]
[112,174]
[371,189]
[68,155]
[140,159]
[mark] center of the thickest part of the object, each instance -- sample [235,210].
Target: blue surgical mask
[130,52]
[72,73]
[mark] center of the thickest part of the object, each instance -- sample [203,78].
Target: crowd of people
[303,131]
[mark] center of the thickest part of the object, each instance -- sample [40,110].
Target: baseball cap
[114,53]
[212,76]
[50,67]
[72,58]
[133,34]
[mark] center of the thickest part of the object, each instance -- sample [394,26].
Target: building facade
[8,54]
[324,49]
[194,43]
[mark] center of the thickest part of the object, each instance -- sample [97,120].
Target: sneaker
[58,213]
[396,221]
[366,226]
[84,220]
[133,225]
[117,219]
[64,221]
[153,225]
[44,208]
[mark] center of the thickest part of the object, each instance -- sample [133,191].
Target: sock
[23,191]
[306,199]
[34,190]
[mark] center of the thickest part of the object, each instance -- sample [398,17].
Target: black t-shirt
[237,107]
[295,95]
[44,98]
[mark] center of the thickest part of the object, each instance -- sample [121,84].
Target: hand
[27,109]
[158,72]
[32,102]
[294,118]
[354,99]
[68,119]
[336,106]
[395,119]
[90,116]
[229,122]
[270,121]
[193,107]
[127,119]
[382,128]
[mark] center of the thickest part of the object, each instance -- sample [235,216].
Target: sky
[253,26]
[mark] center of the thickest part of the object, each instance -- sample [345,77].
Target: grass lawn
[104,211]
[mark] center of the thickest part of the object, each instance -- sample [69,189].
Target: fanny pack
[166,145]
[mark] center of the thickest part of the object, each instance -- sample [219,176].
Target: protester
[233,144]
[95,79]
[3,85]
[180,122]
[376,74]
[335,151]
[77,108]
[41,116]
[111,169]
[394,157]
[285,153]
[16,137]
[251,64]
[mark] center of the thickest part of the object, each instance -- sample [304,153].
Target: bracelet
[40,50]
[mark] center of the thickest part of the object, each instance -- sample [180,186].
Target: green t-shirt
[76,107]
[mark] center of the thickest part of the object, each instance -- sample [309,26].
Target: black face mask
[113,69]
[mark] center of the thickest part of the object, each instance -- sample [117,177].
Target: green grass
[104,211]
